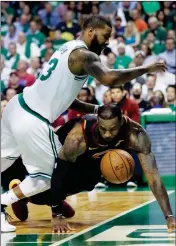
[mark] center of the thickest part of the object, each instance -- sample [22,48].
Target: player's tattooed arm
[82,107]
[74,144]
[149,166]
[91,64]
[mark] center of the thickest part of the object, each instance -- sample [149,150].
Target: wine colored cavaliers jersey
[95,144]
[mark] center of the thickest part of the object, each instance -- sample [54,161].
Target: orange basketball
[117,166]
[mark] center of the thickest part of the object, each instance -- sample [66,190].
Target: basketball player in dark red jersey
[91,136]
[87,138]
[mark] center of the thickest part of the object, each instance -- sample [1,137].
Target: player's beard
[136,96]
[95,46]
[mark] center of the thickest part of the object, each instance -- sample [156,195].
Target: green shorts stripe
[11,158]
[34,175]
[55,149]
[52,143]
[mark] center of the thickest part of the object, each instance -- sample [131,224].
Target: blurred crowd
[143,32]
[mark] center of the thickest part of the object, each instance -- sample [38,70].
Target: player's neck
[84,39]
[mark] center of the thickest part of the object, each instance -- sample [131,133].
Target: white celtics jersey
[56,87]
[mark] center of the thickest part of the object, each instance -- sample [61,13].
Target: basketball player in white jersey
[26,120]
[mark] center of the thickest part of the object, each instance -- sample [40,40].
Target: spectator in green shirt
[3,49]
[7,14]
[155,45]
[122,60]
[12,57]
[47,45]
[159,32]
[36,35]
[58,40]
[111,60]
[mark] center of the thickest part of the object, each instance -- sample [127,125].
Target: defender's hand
[156,67]
[60,225]
[171,224]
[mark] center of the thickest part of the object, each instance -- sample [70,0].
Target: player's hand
[156,67]
[171,224]
[60,225]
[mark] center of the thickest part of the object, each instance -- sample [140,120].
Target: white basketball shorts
[26,133]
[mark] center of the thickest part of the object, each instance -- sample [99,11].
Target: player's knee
[31,186]
[40,183]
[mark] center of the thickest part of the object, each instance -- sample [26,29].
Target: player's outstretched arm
[82,107]
[92,65]
[74,144]
[149,166]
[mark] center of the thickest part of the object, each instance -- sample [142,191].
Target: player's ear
[91,32]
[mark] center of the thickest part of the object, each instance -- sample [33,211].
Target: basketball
[117,166]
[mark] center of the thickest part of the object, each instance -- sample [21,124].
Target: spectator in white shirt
[128,49]
[26,49]
[99,90]
[164,79]
[149,87]
[11,36]
[169,55]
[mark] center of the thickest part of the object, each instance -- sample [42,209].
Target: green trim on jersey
[29,110]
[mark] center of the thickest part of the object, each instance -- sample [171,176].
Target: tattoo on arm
[148,163]
[74,145]
[139,140]
[149,166]
[93,66]
[82,107]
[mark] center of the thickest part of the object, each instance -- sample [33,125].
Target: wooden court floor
[103,218]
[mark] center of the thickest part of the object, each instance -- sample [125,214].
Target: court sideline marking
[105,221]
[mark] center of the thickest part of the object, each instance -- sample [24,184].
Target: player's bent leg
[20,207]
[9,146]
[44,198]
[28,187]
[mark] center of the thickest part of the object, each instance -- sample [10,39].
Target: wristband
[96,109]
[168,216]
[57,215]
[57,209]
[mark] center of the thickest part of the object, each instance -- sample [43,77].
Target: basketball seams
[113,168]
[123,163]
[128,157]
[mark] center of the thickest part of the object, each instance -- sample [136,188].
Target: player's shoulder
[84,55]
[139,139]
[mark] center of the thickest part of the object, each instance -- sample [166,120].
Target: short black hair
[120,87]
[171,86]
[96,21]
[151,75]
[87,90]
[121,36]
[109,111]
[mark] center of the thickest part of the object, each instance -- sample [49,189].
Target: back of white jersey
[56,87]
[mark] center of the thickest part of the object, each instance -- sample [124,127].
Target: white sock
[29,187]
[8,198]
